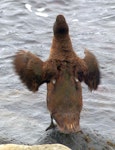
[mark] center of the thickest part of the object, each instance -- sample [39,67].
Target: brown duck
[63,72]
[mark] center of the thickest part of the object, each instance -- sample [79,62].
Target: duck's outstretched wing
[92,77]
[29,68]
[32,70]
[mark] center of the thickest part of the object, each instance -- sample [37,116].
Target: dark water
[27,24]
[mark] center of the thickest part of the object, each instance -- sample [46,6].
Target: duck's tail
[67,122]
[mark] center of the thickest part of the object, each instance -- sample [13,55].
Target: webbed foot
[52,125]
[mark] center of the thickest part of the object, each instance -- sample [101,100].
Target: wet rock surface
[85,140]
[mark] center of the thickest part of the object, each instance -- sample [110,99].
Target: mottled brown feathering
[63,72]
[92,78]
[29,68]
[32,70]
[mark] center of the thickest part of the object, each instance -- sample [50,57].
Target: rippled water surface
[27,24]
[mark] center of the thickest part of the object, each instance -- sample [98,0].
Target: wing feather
[29,68]
[92,77]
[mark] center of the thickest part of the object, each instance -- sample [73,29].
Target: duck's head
[60,26]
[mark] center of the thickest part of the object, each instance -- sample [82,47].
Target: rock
[35,147]
[85,140]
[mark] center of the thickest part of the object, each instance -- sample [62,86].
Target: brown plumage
[63,72]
